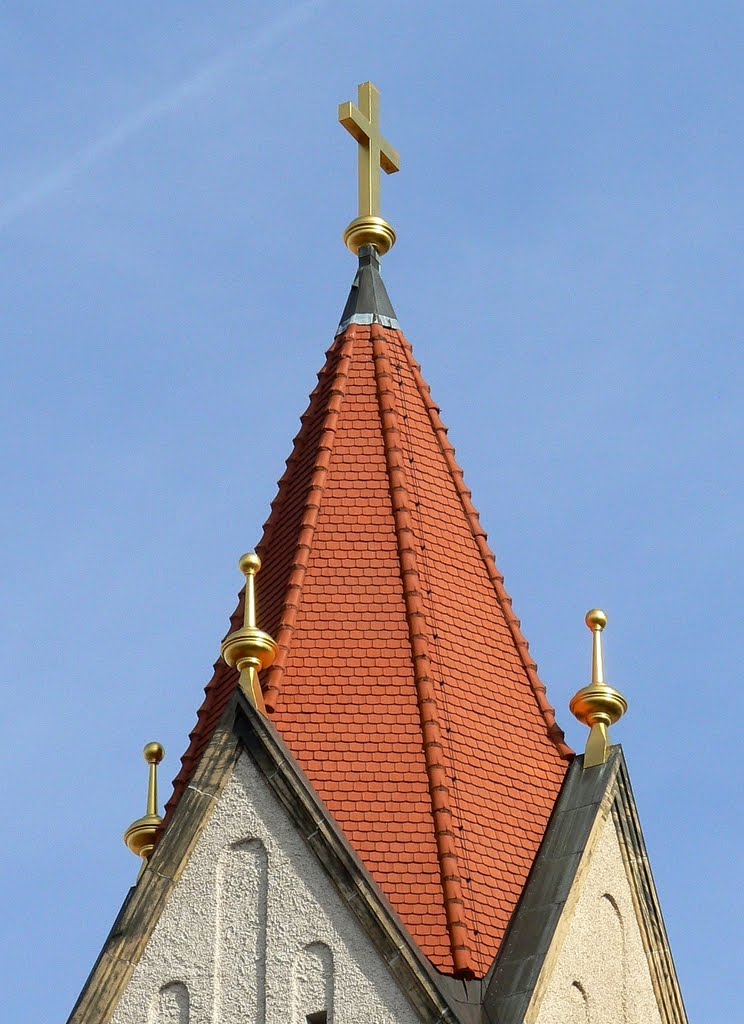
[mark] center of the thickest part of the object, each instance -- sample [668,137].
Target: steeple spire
[375,152]
[402,683]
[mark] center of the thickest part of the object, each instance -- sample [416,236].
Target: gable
[587,943]
[255,905]
[597,971]
[255,931]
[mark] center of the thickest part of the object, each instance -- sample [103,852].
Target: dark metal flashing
[368,301]
[466,995]
[512,979]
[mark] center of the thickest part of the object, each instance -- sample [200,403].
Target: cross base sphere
[370,231]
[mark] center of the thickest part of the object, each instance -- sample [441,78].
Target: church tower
[377,818]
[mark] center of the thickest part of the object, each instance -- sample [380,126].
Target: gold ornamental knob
[249,649]
[598,705]
[140,836]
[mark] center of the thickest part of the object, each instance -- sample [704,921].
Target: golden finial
[363,122]
[140,836]
[598,705]
[249,649]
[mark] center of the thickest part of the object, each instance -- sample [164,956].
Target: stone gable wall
[597,971]
[255,933]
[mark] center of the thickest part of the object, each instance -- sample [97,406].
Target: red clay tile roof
[403,685]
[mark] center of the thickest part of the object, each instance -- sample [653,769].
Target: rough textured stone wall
[597,972]
[255,933]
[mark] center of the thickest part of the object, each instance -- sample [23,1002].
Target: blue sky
[172,193]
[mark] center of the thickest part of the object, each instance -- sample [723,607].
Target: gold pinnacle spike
[375,152]
[249,649]
[598,705]
[140,836]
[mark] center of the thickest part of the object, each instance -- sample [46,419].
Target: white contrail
[195,85]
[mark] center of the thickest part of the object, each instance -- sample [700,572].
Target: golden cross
[363,122]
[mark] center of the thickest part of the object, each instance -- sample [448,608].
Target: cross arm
[389,157]
[355,123]
[359,127]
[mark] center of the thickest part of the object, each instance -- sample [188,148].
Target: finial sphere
[250,563]
[154,753]
[596,619]
[370,231]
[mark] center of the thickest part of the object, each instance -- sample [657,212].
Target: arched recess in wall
[567,1003]
[240,934]
[170,1005]
[579,1013]
[312,985]
[611,1000]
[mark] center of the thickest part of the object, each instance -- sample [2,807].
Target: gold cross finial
[363,122]
[375,152]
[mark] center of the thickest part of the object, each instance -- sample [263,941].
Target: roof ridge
[555,732]
[439,787]
[224,679]
[216,695]
[294,458]
[273,677]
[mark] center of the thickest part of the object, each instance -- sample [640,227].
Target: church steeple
[391,746]
[402,682]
